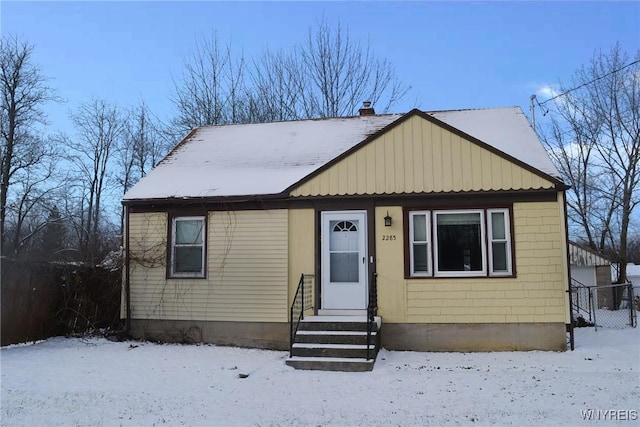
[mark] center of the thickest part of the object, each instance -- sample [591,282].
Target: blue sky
[453,54]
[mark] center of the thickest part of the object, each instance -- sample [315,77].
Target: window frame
[428,242]
[483,246]
[507,239]
[485,238]
[171,273]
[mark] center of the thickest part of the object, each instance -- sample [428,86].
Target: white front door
[344,260]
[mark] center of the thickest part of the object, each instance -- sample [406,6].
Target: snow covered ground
[96,382]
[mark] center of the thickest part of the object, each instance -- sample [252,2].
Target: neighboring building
[633,274]
[475,257]
[588,267]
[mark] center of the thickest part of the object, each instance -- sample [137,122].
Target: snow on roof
[267,158]
[506,129]
[252,159]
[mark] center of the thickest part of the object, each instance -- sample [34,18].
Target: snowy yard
[97,382]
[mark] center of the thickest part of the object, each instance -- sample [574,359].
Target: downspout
[569,290]
[127,276]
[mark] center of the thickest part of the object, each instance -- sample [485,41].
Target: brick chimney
[367,110]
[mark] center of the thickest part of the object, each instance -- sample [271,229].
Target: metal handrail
[300,316]
[372,309]
[576,286]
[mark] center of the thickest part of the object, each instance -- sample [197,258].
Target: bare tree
[36,193]
[24,92]
[595,141]
[211,87]
[326,75]
[341,73]
[99,128]
[52,244]
[278,87]
[142,146]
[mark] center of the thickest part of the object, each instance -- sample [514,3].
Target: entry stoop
[335,343]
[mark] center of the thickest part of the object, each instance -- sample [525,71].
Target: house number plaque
[388,237]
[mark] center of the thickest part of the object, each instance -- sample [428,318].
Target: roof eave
[203,200]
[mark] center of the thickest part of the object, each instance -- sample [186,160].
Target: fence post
[593,309]
[632,304]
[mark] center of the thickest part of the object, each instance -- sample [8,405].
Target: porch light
[387,220]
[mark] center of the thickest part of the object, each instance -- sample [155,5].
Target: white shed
[588,267]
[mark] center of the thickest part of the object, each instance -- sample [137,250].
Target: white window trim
[175,274]
[507,239]
[483,245]
[429,271]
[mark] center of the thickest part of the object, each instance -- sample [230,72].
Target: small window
[499,242]
[188,248]
[419,236]
[458,239]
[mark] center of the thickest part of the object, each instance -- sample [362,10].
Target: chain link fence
[614,306]
[608,306]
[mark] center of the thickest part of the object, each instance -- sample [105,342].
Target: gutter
[127,275]
[567,249]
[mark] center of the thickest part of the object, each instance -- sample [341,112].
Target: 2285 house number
[388,237]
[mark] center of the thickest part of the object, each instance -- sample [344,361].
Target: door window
[344,252]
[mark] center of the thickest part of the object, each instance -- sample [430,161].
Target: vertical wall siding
[419,156]
[302,246]
[536,295]
[147,263]
[248,265]
[246,270]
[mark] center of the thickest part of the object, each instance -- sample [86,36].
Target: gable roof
[268,158]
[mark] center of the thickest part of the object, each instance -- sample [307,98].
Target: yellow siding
[246,269]
[536,295]
[419,156]
[302,248]
[392,295]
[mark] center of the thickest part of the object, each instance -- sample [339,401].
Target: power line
[544,113]
[589,82]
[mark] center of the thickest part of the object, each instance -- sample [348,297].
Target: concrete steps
[335,343]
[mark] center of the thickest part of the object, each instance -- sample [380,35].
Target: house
[633,276]
[588,269]
[450,224]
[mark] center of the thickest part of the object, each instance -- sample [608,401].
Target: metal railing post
[293,329]
[593,309]
[631,303]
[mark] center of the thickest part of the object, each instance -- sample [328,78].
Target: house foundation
[474,337]
[267,335]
